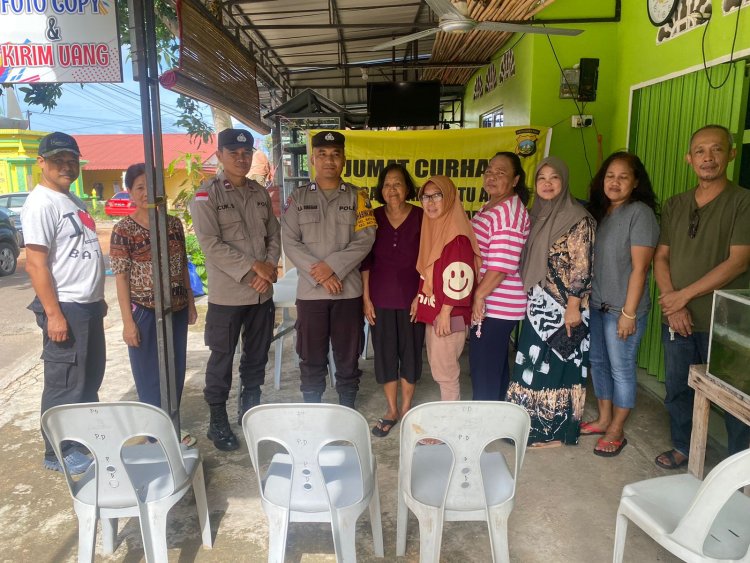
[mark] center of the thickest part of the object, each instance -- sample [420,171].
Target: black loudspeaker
[589,75]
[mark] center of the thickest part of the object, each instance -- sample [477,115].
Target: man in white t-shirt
[66,267]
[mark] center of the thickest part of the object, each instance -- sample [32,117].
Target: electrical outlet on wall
[579,121]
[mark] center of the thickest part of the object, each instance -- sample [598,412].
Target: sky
[105,108]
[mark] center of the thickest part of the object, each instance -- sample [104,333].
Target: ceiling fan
[453,15]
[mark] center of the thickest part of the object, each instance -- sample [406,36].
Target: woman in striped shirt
[501,228]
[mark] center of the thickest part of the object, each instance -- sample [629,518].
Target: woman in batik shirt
[549,376]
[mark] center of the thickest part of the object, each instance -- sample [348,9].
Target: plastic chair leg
[109,534]
[154,530]
[497,524]
[86,532]
[278,355]
[331,366]
[201,503]
[343,528]
[375,521]
[402,517]
[621,532]
[278,524]
[430,534]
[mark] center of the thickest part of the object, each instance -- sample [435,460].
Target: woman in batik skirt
[549,375]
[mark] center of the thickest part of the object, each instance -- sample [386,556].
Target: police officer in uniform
[241,239]
[328,229]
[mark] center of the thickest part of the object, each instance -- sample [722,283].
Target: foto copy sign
[59,41]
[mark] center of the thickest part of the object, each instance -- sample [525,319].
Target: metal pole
[143,33]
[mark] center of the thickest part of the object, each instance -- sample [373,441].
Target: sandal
[383,427]
[588,429]
[601,442]
[187,439]
[673,463]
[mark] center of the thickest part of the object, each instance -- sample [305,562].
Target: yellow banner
[461,154]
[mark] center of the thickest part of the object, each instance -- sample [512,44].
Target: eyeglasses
[695,220]
[60,162]
[491,174]
[437,196]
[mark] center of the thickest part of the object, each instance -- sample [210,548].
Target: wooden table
[710,389]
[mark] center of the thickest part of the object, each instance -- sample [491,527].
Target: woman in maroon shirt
[390,280]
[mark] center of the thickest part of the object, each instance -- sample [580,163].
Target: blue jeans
[613,367]
[679,355]
[144,359]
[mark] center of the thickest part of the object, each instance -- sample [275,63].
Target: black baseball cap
[235,138]
[328,139]
[57,142]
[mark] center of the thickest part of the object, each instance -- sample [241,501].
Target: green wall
[628,55]
[671,57]
[514,94]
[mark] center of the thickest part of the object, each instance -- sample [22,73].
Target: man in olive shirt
[328,229]
[704,245]
[240,236]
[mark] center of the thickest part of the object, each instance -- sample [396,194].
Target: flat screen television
[402,104]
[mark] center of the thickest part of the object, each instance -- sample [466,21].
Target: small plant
[196,256]
[194,169]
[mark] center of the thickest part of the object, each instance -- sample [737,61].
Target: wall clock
[661,11]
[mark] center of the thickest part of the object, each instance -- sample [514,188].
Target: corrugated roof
[117,152]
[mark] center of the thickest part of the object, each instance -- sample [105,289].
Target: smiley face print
[458,280]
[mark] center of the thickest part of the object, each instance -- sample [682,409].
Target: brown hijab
[438,233]
[550,219]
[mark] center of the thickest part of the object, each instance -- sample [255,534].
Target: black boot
[249,398]
[346,398]
[218,429]
[312,396]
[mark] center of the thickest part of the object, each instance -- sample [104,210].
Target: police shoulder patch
[201,195]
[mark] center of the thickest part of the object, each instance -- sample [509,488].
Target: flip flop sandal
[379,430]
[187,439]
[619,444]
[588,429]
[673,463]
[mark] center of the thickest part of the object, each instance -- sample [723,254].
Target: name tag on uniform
[225,206]
[261,204]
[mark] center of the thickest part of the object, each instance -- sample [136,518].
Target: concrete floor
[566,498]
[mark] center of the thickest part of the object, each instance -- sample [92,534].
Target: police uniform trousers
[74,368]
[224,324]
[340,322]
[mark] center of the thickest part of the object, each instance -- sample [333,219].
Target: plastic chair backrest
[303,430]
[467,427]
[103,428]
[719,485]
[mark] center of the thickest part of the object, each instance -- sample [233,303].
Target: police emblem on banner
[526,141]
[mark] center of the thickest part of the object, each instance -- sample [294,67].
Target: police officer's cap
[235,139]
[328,139]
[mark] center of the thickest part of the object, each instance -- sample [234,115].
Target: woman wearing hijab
[549,375]
[447,263]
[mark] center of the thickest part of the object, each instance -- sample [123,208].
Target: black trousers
[73,369]
[339,322]
[224,324]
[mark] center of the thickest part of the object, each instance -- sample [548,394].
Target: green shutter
[664,115]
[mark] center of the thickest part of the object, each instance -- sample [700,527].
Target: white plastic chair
[458,480]
[284,298]
[706,521]
[315,480]
[143,480]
